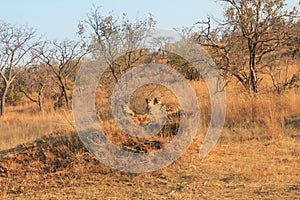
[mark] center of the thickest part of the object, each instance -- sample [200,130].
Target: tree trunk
[64,92]
[2,106]
[252,75]
[253,80]
[40,98]
[3,99]
[40,103]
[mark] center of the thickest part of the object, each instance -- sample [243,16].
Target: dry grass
[21,126]
[58,167]
[257,156]
[268,113]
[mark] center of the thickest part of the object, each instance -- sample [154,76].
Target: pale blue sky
[58,19]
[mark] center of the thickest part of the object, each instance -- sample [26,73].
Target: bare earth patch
[59,167]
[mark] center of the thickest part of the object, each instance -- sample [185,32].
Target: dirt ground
[59,167]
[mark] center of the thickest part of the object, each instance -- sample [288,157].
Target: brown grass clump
[58,167]
[257,156]
[20,127]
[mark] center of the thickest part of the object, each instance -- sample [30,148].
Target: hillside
[58,167]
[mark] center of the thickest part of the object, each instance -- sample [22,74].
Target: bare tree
[279,65]
[119,43]
[63,60]
[113,36]
[252,30]
[36,83]
[16,45]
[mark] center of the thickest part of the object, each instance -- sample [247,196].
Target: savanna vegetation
[256,49]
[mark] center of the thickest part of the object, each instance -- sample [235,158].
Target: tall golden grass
[252,116]
[248,116]
[23,124]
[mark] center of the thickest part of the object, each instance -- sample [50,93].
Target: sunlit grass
[21,127]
